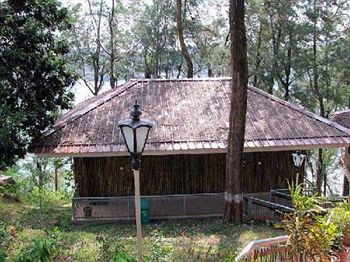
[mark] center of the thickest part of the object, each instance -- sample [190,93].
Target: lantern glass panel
[128,133]
[298,159]
[141,136]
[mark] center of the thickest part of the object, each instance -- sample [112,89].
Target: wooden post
[138,214]
[297,179]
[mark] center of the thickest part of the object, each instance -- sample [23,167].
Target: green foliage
[158,36]
[38,188]
[121,256]
[160,251]
[331,170]
[311,231]
[42,249]
[2,256]
[340,216]
[190,240]
[105,247]
[5,235]
[33,72]
[112,250]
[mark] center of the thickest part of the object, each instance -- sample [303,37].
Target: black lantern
[298,159]
[135,132]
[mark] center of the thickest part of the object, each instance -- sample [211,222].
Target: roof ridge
[203,79]
[99,100]
[301,110]
[340,112]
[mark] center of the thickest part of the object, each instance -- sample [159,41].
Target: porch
[174,188]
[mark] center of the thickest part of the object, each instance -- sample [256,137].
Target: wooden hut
[183,166]
[343,118]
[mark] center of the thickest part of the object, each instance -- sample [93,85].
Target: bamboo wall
[180,174]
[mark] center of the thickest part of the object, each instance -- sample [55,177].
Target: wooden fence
[255,207]
[160,207]
[267,206]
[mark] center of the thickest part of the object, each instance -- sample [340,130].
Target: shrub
[107,244]
[121,256]
[311,231]
[160,252]
[42,249]
[5,236]
[340,216]
[2,256]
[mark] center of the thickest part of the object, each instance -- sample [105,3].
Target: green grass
[186,240]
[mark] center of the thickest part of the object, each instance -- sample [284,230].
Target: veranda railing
[270,249]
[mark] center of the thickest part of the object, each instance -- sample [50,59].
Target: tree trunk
[56,178]
[346,166]
[180,34]
[40,182]
[346,181]
[210,70]
[319,172]
[97,63]
[113,81]
[287,69]
[271,82]
[178,71]
[148,73]
[345,186]
[258,57]
[234,160]
[275,37]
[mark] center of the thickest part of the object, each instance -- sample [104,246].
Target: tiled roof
[342,118]
[191,115]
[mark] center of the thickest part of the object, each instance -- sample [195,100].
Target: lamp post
[135,133]
[298,159]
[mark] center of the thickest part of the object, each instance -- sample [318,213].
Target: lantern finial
[136,112]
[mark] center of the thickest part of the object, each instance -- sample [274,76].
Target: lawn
[186,240]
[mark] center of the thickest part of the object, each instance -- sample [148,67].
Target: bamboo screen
[180,174]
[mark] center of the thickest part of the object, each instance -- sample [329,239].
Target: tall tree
[234,160]
[327,87]
[180,33]
[102,43]
[210,36]
[158,39]
[112,25]
[88,43]
[34,76]
[119,42]
[260,57]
